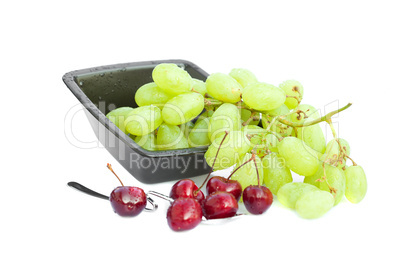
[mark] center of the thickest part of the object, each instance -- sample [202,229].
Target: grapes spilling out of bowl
[263,132]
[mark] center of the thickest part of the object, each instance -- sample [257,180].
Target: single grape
[314,204]
[148,142]
[225,118]
[143,120]
[289,193]
[118,115]
[243,76]
[199,87]
[310,111]
[199,134]
[247,174]
[335,177]
[292,88]
[172,79]
[149,94]
[313,136]
[281,110]
[263,96]
[316,177]
[223,87]
[276,173]
[170,137]
[299,157]
[356,184]
[233,148]
[182,108]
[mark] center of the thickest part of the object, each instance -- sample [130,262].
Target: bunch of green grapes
[236,116]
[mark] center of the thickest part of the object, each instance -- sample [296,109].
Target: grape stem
[213,164]
[245,123]
[251,159]
[210,102]
[109,166]
[312,122]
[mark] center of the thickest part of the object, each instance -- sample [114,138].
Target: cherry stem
[258,174]
[165,197]
[109,166]
[213,164]
[251,159]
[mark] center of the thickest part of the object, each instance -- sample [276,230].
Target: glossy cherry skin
[219,205]
[221,184]
[184,213]
[128,201]
[257,199]
[185,188]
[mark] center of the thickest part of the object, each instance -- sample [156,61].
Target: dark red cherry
[186,188]
[184,213]
[221,184]
[219,205]
[128,201]
[257,199]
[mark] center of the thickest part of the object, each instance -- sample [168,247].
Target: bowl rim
[70,80]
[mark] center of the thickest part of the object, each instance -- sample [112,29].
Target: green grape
[170,137]
[225,118]
[316,177]
[223,87]
[243,76]
[314,204]
[281,110]
[276,173]
[151,94]
[310,111]
[263,96]
[199,134]
[188,127]
[147,141]
[172,79]
[143,120]
[182,108]
[335,177]
[199,87]
[233,148]
[289,193]
[292,88]
[356,184]
[332,152]
[247,174]
[299,157]
[278,127]
[117,116]
[312,136]
[245,114]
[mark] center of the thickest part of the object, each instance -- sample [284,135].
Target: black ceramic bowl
[102,89]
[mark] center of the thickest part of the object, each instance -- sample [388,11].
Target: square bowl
[102,89]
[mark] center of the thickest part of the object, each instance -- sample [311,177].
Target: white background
[342,51]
